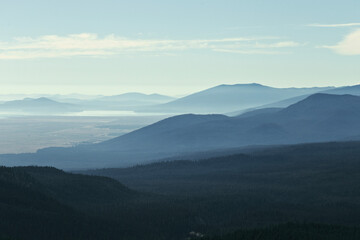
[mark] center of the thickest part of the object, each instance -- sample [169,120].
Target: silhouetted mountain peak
[324,105]
[41,100]
[44,100]
[253,85]
[227,98]
[328,98]
[189,119]
[136,96]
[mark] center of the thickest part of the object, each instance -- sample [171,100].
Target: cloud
[279,45]
[250,52]
[89,44]
[350,45]
[334,25]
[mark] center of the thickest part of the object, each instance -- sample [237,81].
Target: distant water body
[100,114]
[80,114]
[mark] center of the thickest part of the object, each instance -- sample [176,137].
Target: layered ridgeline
[127,101]
[46,203]
[352,90]
[38,105]
[312,183]
[318,118]
[224,99]
[228,98]
[294,232]
[301,183]
[70,103]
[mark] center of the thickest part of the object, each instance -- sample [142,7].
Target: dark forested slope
[301,183]
[310,182]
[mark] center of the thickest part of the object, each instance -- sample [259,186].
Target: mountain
[38,105]
[318,118]
[228,98]
[315,182]
[294,231]
[46,203]
[175,199]
[153,135]
[352,90]
[138,97]
[254,112]
[127,101]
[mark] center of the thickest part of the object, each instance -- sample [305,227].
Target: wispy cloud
[350,45]
[250,52]
[334,25]
[88,44]
[259,48]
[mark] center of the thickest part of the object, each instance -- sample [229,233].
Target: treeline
[293,231]
[305,183]
[301,183]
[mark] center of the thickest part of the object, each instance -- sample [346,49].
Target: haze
[175,48]
[179,120]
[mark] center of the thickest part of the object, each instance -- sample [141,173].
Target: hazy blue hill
[318,118]
[138,97]
[169,131]
[255,112]
[352,90]
[280,104]
[227,98]
[324,106]
[127,101]
[293,124]
[38,105]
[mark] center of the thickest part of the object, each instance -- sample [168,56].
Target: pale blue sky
[176,47]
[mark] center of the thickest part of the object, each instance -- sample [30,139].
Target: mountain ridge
[226,98]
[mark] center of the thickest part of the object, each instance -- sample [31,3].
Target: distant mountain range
[138,97]
[38,105]
[318,118]
[352,90]
[231,100]
[127,101]
[170,199]
[62,104]
[227,98]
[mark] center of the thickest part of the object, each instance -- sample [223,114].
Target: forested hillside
[294,232]
[311,183]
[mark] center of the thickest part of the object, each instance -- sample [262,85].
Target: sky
[176,47]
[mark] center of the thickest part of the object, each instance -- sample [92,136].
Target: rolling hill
[46,203]
[127,101]
[227,98]
[138,98]
[312,183]
[352,90]
[315,182]
[318,118]
[38,105]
